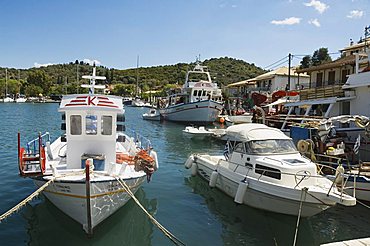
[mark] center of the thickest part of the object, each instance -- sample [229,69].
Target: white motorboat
[196,132]
[137,102]
[152,114]
[200,100]
[92,166]
[8,99]
[21,99]
[263,169]
[238,119]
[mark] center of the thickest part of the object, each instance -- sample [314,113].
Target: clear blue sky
[165,32]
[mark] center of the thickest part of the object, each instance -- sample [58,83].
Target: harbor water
[185,205]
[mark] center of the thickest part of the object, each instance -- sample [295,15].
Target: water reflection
[243,225]
[47,225]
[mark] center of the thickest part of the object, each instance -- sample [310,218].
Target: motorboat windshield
[271,146]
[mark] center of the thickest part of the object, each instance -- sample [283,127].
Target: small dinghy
[194,132]
[152,114]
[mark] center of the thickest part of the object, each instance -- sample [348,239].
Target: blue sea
[185,205]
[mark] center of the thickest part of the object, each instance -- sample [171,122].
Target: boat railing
[340,180]
[32,146]
[141,141]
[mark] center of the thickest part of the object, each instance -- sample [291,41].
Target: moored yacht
[91,169]
[263,169]
[200,100]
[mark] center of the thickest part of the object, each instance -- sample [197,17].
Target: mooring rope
[172,237]
[26,200]
[363,204]
[304,190]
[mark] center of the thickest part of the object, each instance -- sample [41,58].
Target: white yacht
[263,169]
[200,100]
[152,114]
[89,170]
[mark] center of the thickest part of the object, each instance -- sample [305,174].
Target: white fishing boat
[21,99]
[200,100]
[340,150]
[196,132]
[263,169]
[91,169]
[152,114]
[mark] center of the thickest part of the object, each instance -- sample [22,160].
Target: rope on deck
[26,200]
[166,232]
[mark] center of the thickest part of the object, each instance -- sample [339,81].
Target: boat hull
[361,184]
[106,197]
[228,183]
[198,112]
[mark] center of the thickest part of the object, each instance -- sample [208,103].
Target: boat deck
[353,242]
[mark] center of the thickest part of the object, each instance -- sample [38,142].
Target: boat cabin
[91,126]
[266,153]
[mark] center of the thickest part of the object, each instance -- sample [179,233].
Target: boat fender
[48,150]
[213,179]
[42,160]
[339,171]
[194,169]
[153,154]
[189,162]
[240,192]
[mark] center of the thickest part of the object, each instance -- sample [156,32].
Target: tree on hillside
[320,56]
[306,62]
[41,79]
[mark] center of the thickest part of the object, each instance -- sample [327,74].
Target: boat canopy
[251,131]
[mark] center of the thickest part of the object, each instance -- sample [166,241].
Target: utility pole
[290,60]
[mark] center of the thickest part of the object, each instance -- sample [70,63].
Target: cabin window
[204,93]
[199,93]
[106,125]
[91,124]
[278,146]
[268,171]
[76,124]
[195,93]
[239,148]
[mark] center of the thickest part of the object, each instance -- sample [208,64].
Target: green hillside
[62,78]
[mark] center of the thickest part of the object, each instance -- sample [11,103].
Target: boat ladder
[32,162]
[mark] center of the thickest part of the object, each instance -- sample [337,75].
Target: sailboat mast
[6,82]
[137,76]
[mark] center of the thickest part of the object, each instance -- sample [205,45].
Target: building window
[76,125]
[331,78]
[344,75]
[91,124]
[106,125]
[319,79]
